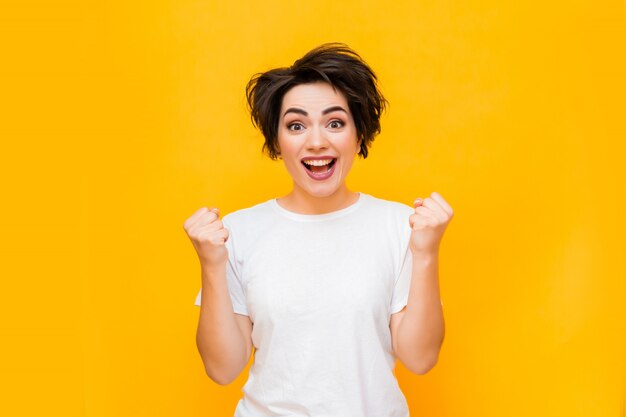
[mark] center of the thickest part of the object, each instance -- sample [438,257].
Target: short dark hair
[334,63]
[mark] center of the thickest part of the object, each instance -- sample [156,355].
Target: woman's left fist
[428,223]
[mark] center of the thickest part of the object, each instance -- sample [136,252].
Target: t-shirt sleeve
[402,284]
[400,295]
[233,277]
[399,223]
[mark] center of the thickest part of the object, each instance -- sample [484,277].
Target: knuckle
[209,217]
[201,211]
[206,235]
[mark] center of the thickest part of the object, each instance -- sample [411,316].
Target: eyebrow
[334,108]
[304,113]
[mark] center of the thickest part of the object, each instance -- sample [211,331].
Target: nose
[317,139]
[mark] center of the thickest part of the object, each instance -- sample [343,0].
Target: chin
[321,193]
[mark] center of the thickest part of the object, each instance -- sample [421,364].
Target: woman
[328,285]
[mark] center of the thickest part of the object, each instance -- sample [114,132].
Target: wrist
[212,269]
[425,256]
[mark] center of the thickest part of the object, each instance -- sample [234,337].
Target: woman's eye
[295,126]
[335,124]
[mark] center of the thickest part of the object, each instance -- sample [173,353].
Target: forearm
[219,338]
[421,330]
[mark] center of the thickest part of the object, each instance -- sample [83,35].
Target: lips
[318,165]
[319,168]
[318,158]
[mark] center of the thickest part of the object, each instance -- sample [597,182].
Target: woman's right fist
[208,236]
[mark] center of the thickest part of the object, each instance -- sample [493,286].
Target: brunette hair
[334,63]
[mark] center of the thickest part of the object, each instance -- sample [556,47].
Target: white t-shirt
[320,290]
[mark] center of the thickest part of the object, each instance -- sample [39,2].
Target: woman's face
[317,138]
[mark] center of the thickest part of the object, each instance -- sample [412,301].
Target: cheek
[281,144]
[351,143]
[285,147]
[289,155]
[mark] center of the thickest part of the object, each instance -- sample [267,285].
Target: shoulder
[248,214]
[245,225]
[393,208]
[394,214]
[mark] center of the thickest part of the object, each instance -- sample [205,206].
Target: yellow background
[119,119]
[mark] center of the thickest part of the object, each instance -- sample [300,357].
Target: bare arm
[223,337]
[418,330]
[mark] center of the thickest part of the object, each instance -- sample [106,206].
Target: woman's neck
[301,202]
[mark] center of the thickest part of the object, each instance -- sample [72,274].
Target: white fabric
[320,291]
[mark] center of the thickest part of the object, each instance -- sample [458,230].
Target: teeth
[318,163]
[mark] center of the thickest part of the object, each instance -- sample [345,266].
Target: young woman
[329,286]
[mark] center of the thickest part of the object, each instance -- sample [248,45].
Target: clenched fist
[208,236]
[428,223]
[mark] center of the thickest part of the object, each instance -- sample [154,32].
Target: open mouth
[319,166]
